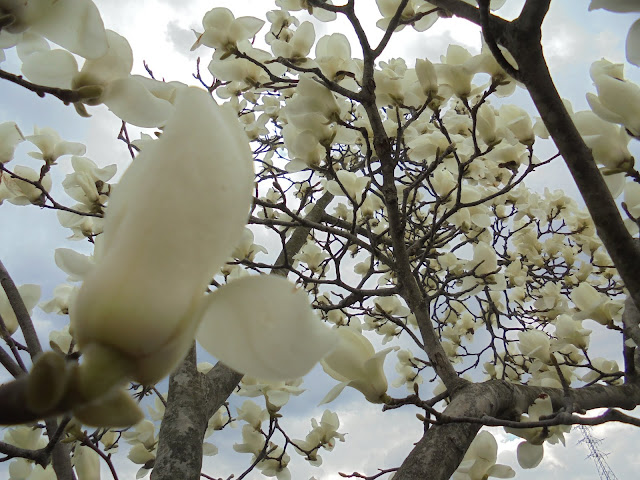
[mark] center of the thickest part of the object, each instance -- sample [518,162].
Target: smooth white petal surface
[75,25]
[130,101]
[172,221]
[263,326]
[529,455]
[633,43]
[53,68]
[501,471]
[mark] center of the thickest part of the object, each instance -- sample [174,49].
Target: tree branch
[525,46]
[22,314]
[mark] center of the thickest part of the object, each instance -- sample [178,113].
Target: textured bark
[60,455]
[437,455]
[193,399]
[179,452]
[220,382]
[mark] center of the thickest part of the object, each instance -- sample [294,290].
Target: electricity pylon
[600,458]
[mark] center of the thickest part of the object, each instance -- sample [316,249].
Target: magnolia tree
[394,202]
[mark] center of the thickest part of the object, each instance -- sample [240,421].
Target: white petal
[130,101]
[75,264]
[633,44]
[161,250]
[529,455]
[501,471]
[264,327]
[75,25]
[334,392]
[53,68]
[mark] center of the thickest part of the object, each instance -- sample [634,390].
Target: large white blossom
[143,302]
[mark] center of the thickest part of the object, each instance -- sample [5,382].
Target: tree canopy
[308,200]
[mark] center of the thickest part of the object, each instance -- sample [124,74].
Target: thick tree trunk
[179,452]
[193,399]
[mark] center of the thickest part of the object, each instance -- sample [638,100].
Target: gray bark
[441,449]
[179,452]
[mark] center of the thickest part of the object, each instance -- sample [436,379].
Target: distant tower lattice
[600,458]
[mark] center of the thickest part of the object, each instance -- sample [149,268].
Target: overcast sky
[160,33]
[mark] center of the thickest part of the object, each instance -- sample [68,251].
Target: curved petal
[264,327]
[501,471]
[115,63]
[529,455]
[75,25]
[173,220]
[334,392]
[75,264]
[130,101]
[52,68]
[633,44]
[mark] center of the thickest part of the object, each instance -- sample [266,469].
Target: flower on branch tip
[51,146]
[595,305]
[105,79]
[223,31]
[355,363]
[618,99]
[24,192]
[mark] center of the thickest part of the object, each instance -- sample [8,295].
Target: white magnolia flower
[350,185]
[30,295]
[518,121]
[570,330]
[355,363]
[10,137]
[297,47]
[223,31]
[594,305]
[388,9]
[105,79]
[51,146]
[618,100]
[456,71]
[426,73]
[88,183]
[312,255]
[246,248]
[608,142]
[23,192]
[536,344]
[333,55]
[253,414]
[141,305]
[479,462]
[531,451]
[60,341]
